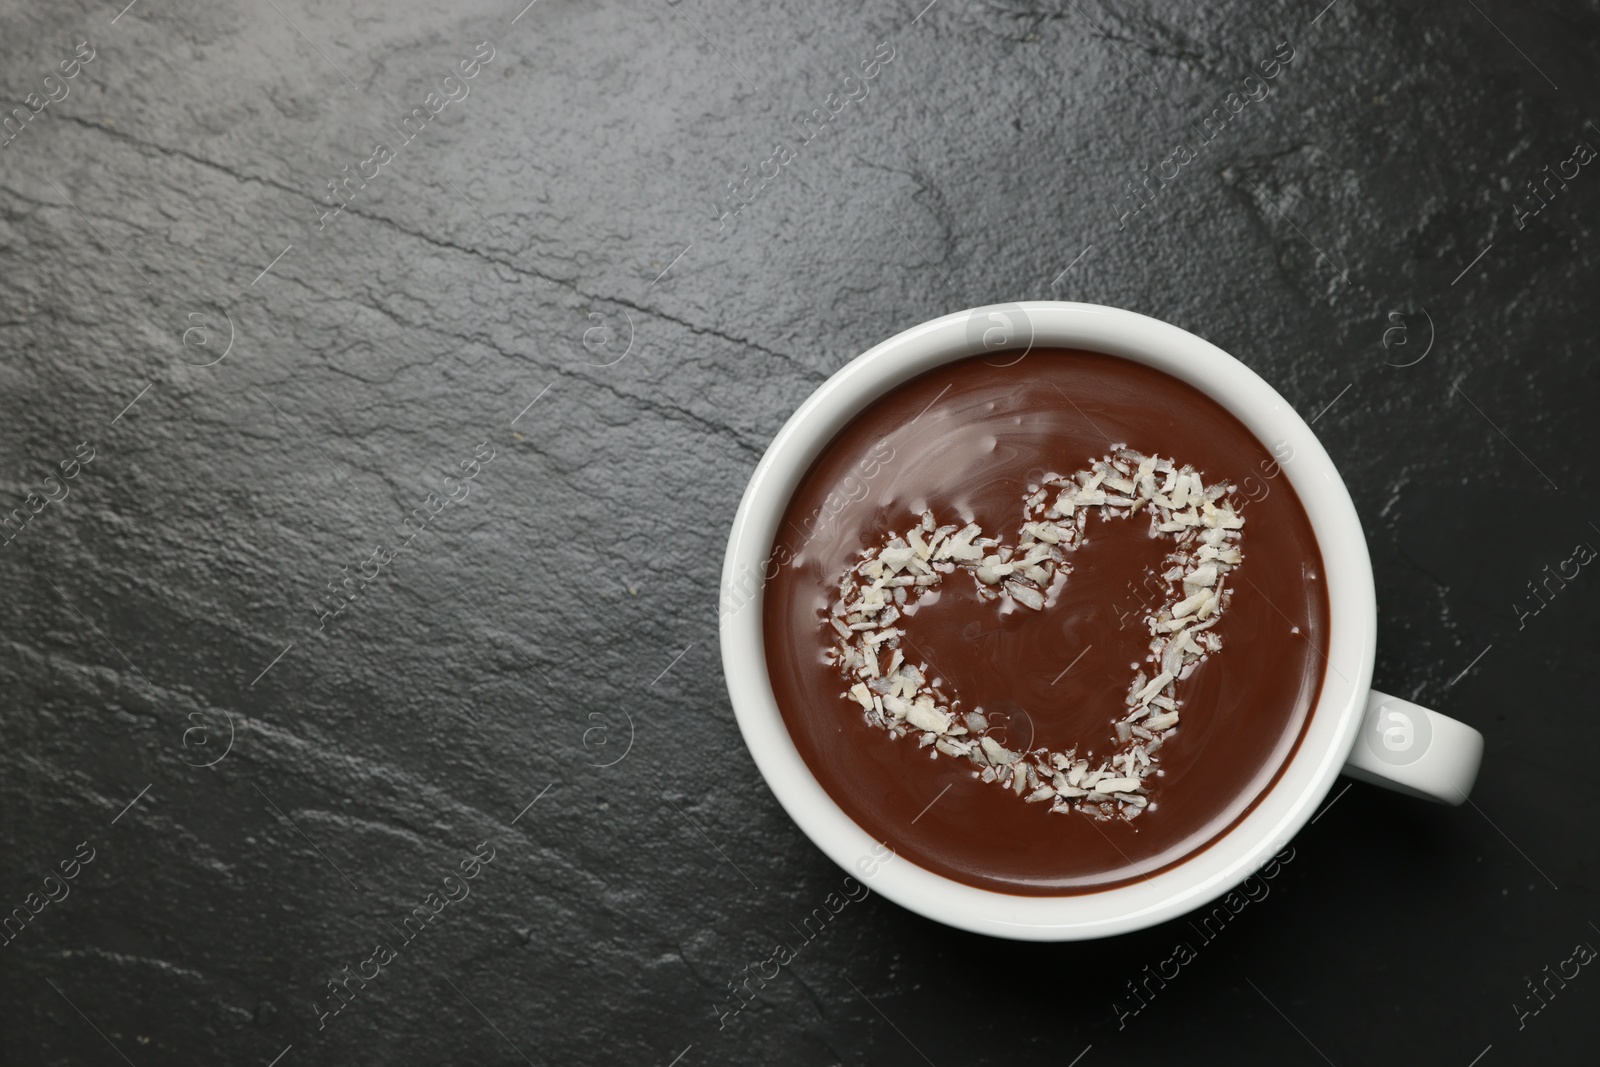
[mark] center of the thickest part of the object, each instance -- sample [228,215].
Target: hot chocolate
[1048,624]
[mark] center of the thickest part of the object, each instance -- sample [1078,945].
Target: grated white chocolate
[897,695]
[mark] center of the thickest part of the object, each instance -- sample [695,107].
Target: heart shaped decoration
[898,696]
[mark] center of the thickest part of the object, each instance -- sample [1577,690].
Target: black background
[554,237]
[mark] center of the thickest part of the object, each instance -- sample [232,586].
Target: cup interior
[1011,329]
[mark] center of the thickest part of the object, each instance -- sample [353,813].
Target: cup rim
[1200,877]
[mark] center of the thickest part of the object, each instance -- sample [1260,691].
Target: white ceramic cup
[1353,728]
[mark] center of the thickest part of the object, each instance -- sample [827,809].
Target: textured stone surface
[168,603]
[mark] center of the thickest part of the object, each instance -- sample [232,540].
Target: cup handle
[1407,748]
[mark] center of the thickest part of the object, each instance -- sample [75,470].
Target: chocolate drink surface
[1200,541]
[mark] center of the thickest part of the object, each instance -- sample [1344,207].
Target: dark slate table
[533,347]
